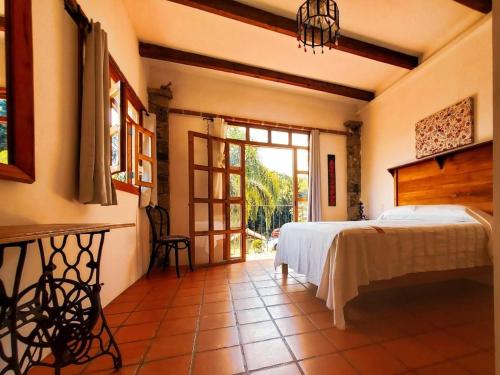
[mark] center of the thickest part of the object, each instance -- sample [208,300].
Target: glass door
[217,199]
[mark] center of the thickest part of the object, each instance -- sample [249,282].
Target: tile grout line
[266,307]
[150,344]
[242,350]
[118,327]
[295,361]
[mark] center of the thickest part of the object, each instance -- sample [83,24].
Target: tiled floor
[247,318]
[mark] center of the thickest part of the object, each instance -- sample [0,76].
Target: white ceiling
[420,27]
[417,27]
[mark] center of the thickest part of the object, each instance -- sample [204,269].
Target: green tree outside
[268,194]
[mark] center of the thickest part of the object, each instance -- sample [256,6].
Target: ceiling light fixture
[318,24]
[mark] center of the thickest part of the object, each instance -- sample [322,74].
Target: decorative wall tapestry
[445,130]
[332,191]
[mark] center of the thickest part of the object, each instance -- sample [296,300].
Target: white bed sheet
[339,257]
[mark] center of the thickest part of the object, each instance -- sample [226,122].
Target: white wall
[462,69]
[51,198]
[202,90]
[496,167]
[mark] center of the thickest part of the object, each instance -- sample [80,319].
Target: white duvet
[339,257]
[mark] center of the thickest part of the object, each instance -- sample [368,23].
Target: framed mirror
[17,156]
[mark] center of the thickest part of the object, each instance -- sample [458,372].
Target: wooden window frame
[143,157]
[20,97]
[127,94]
[289,146]
[116,74]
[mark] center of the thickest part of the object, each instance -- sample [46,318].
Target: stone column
[353,168]
[159,100]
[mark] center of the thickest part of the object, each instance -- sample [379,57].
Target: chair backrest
[159,220]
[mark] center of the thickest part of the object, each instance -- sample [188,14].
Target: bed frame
[463,176]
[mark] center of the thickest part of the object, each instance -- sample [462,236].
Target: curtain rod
[246,121]
[75,11]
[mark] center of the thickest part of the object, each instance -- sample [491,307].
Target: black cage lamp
[318,24]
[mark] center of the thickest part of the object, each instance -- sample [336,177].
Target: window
[132,146]
[296,142]
[115,95]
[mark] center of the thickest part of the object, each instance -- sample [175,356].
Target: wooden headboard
[463,176]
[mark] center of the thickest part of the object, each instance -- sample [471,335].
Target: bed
[428,235]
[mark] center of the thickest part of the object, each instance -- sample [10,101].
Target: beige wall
[217,93]
[51,199]
[462,69]
[496,166]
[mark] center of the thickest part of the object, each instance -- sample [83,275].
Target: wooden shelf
[440,159]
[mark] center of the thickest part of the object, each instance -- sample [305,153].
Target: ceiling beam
[187,58]
[261,18]
[483,6]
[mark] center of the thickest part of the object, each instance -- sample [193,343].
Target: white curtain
[149,196]
[95,185]
[217,130]
[314,211]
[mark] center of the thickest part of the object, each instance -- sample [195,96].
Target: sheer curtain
[95,184]
[219,160]
[217,130]
[314,211]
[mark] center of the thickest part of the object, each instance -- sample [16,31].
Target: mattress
[339,257]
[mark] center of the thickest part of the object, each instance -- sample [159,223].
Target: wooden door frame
[226,171]
[226,200]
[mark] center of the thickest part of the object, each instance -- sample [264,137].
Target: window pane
[200,149]
[132,112]
[115,150]
[145,145]
[132,142]
[235,245]
[115,130]
[219,216]
[302,208]
[235,213]
[4,153]
[234,156]
[218,159]
[200,184]
[258,135]
[303,185]
[200,217]
[280,138]
[234,185]
[201,249]
[299,139]
[121,176]
[236,132]
[302,160]
[219,245]
[218,188]
[145,171]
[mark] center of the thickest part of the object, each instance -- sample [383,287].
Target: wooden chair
[160,228]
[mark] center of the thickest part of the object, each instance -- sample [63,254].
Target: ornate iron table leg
[8,312]
[61,312]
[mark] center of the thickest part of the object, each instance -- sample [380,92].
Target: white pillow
[398,213]
[439,212]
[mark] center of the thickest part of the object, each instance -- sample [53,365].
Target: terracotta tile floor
[247,318]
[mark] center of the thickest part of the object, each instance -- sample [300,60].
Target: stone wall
[159,100]
[353,169]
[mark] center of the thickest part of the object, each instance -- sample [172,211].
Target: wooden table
[62,311]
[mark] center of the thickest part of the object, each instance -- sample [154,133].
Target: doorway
[243,188]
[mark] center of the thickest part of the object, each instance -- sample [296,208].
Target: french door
[217,222]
